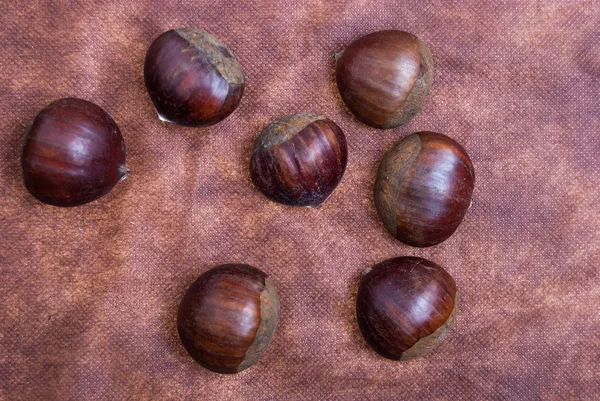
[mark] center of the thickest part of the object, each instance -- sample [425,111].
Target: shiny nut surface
[299,160]
[74,153]
[192,78]
[405,306]
[384,77]
[423,188]
[228,316]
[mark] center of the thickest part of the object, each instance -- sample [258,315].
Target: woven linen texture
[89,294]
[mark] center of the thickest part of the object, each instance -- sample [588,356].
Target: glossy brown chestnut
[405,306]
[423,188]
[192,78]
[228,316]
[384,77]
[299,159]
[73,154]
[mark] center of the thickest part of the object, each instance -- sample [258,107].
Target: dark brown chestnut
[405,306]
[299,159]
[423,188]
[384,77]
[192,78]
[228,316]
[73,153]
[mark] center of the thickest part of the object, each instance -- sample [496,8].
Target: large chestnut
[299,159]
[405,306]
[73,154]
[423,188]
[192,78]
[384,77]
[228,316]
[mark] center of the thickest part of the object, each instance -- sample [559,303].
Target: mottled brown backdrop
[88,295]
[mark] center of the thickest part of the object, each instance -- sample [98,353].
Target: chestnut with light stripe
[74,153]
[423,188]
[228,316]
[405,306]
[299,159]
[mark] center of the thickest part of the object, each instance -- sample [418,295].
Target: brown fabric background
[89,294]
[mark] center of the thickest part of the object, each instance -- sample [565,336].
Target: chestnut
[192,78]
[423,188]
[74,153]
[384,77]
[405,306]
[228,316]
[299,159]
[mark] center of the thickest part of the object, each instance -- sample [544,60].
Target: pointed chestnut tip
[124,171]
[163,119]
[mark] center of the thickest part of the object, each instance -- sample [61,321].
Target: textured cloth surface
[89,294]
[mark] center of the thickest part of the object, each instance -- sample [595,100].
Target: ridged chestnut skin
[228,316]
[405,306]
[74,153]
[423,188]
[192,78]
[299,159]
[384,77]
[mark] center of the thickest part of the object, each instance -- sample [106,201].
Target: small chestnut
[299,159]
[384,77]
[192,78]
[405,306]
[73,153]
[423,188]
[228,316]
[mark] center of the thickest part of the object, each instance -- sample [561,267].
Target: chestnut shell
[192,78]
[384,77]
[74,153]
[423,188]
[405,306]
[299,159]
[228,316]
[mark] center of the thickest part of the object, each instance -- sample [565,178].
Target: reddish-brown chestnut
[423,188]
[192,78]
[384,77]
[405,306]
[299,159]
[73,154]
[228,316]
